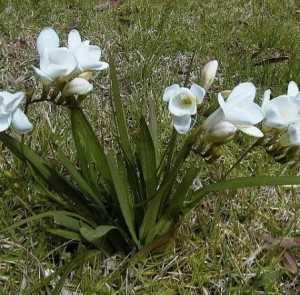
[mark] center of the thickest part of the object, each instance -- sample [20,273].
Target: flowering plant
[130,197]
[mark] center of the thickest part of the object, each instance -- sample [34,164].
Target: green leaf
[92,235]
[67,221]
[152,211]
[55,181]
[90,153]
[66,234]
[146,156]
[81,182]
[119,114]
[153,124]
[121,187]
[177,200]
[56,214]
[240,183]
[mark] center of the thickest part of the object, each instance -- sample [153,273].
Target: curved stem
[243,155]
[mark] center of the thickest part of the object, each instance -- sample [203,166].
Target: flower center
[186,101]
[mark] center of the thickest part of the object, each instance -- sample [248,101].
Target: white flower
[77,86]
[87,56]
[11,114]
[239,110]
[208,73]
[55,61]
[183,104]
[283,112]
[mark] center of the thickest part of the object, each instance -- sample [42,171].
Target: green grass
[154,43]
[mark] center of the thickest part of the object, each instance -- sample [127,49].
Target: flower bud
[221,132]
[208,73]
[77,86]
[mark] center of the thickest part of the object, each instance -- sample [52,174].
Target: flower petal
[63,58]
[248,114]
[182,124]
[5,121]
[266,100]
[74,40]
[11,101]
[47,38]
[88,56]
[170,92]
[244,92]
[293,89]
[199,92]
[20,122]
[251,130]
[213,119]
[77,86]
[294,133]
[42,75]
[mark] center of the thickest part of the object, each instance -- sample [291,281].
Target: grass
[219,249]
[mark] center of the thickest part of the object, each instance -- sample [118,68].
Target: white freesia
[55,62]
[282,111]
[182,104]
[11,114]
[239,109]
[77,86]
[87,56]
[208,73]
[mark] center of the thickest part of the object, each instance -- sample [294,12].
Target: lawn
[238,242]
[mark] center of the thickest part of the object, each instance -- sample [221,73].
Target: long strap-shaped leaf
[162,195]
[146,155]
[119,114]
[82,183]
[122,191]
[48,174]
[90,153]
[239,183]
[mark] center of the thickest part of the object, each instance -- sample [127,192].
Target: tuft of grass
[219,249]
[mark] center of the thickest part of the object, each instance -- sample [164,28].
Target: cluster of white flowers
[70,66]
[238,112]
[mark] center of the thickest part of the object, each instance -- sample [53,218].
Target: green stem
[243,155]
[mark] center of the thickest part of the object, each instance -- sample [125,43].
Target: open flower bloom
[11,114]
[182,104]
[87,56]
[280,111]
[55,62]
[283,112]
[239,110]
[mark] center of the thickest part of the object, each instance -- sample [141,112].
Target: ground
[227,245]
